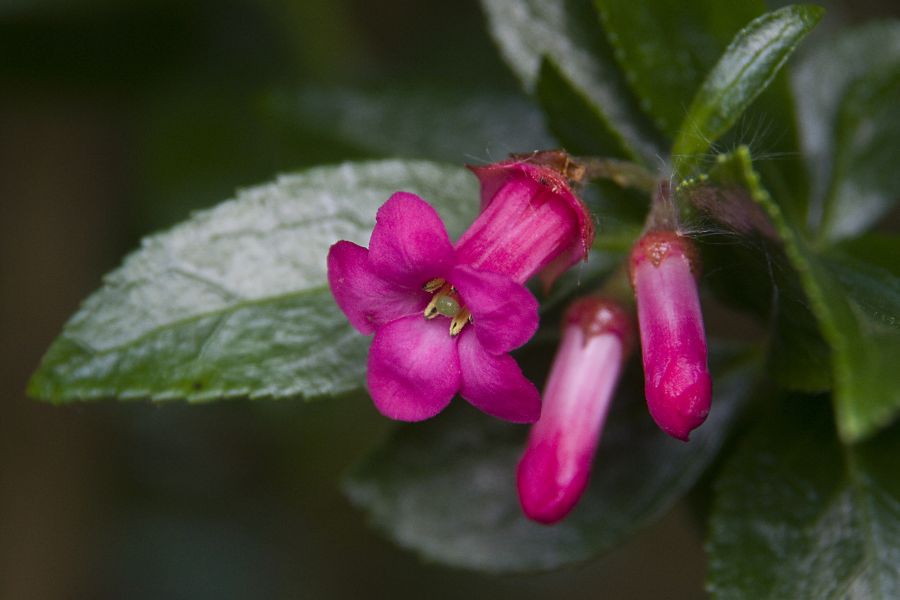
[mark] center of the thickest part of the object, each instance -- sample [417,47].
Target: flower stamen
[434,285]
[446,302]
[459,321]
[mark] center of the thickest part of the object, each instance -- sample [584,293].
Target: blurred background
[120,118]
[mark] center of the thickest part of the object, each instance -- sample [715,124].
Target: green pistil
[447,306]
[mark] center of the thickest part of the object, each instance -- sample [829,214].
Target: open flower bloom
[676,377]
[554,470]
[444,318]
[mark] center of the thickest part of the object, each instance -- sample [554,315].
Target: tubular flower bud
[676,377]
[554,470]
[445,317]
[531,221]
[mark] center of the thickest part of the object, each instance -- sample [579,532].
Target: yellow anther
[434,285]
[431,310]
[446,302]
[459,321]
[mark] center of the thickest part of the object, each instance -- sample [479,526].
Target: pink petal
[413,369]
[504,313]
[368,300]
[409,244]
[530,220]
[673,344]
[494,383]
[555,468]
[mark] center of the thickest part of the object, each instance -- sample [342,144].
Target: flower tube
[445,317]
[555,468]
[673,344]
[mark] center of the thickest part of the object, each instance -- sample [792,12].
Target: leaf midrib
[221,312]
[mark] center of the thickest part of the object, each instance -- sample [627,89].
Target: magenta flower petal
[673,344]
[494,383]
[368,300]
[413,369]
[409,244]
[530,220]
[555,468]
[504,313]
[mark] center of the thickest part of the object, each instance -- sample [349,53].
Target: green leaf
[798,515]
[666,47]
[418,122]
[747,67]
[572,117]
[745,263]
[876,249]
[568,34]
[447,488]
[847,92]
[235,301]
[857,307]
[861,317]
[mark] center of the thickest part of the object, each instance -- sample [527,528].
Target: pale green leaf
[235,301]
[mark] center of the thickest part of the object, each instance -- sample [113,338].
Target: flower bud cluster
[445,316]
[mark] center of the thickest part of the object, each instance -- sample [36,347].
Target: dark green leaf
[746,265]
[798,515]
[572,117]
[447,488]
[877,249]
[569,35]
[847,91]
[861,316]
[747,67]
[235,302]
[666,47]
[857,307]
[419,122]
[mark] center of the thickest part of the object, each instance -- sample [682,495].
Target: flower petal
[530,221]
[413,369]
[673,343]
[555,468]
[504,313]
[409,244]
[494,383]
[368,300]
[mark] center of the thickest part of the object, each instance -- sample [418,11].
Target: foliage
[234,302]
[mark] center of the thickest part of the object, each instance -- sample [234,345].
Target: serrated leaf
[798,515]
[568,34]
[857,307]
[666,47]
[747,67]
[846,91]
[418,121]
[447,488]
[235,301]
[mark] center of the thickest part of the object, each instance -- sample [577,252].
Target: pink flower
[554,470]
[445,318]
[676,376]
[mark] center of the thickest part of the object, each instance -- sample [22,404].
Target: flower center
[446,302]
